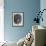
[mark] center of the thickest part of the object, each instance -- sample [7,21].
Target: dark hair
[17,18]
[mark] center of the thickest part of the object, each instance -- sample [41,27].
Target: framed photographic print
[18,18]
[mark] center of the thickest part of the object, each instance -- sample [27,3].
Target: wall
[43,6]
[29,7]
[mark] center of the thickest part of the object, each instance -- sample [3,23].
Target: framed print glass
[18,18]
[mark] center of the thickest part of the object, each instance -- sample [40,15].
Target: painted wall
[29,7]
[43,6]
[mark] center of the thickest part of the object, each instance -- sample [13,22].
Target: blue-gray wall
[43,6]
[29,7]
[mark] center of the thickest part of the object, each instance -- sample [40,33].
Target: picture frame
[17,19]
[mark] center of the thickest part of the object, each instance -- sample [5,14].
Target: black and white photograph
[18,18]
